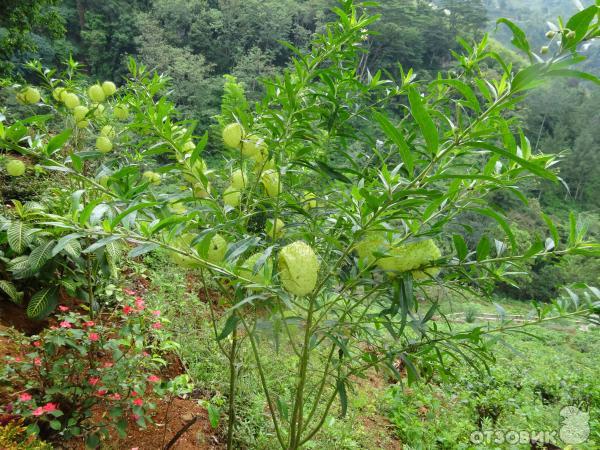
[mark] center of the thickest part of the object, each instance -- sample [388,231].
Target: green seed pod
[310,200]
[232,135]
[108,131]
[270,180]
[109,88]
[232,197]
[254,147]
[238,179]
[201,191]
[184,244]
[152,177]
[571,34]
[544,50]
[407,257]
[217,249]
[15,167]
[189,146]
[550,34]
[57,93]
[82,124]
[121,112]
[274,230]
[298,268]
[98,109]
[96,93]
[79,112]
[104,144]
[262,276]
[373,242]
[70,100]
[31,95]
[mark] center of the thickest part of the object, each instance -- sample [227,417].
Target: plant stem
[232,383]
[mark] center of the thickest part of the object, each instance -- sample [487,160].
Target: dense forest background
[196,42]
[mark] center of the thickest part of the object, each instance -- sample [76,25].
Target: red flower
[63,308]
[38,411]
[101,392]
[37,361]
[94,337]
[93,380]
[25,397]
[153,379]
[156,313]
[134,394]
[138,402]
[49,407]
[89,323]
[65,324]
[157,325]
[37,344]
[127,310]
[135,417]
[128,291]
[18,359]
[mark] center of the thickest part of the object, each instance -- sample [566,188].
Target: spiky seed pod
[184,243]
[82,124]
[238,179]
[232,197]
[108,131]
[70,100]
[15,167]
[298,268]
[407,257]
[189,146]
[310,200]
[57,93]
[109,88]
[264,273]
[152,177]
[254,147]
[373,242]
[31,95]
[98,109]
[217,249]
[104,144]
[79,112]
[96,94]
[274,229]
[121,112]
[270,180]
[232,135]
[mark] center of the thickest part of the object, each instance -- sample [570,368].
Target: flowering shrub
[83,376]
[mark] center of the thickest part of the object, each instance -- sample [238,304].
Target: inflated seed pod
[298,268]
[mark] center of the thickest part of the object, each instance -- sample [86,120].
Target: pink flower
[138,402]
[38,411]
[116,396]
[94,380]
[134,394]
[101,392]
[37,344]
[49,407]
[135,417]
[139,303]
[25,397]
[89,323]
[135,448]
[156,313]
[94,337]
[65,324]
[37,361]
[153,379]
[18,359]
[127,310]
[107,365]
[128,291]
[145,353]
[157,325]
[63,308]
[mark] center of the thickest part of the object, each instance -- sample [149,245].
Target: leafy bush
[13,436]
[83,376]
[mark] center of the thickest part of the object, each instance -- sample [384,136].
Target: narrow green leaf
[341,390]
[396,137]
[423,119]
[230,325]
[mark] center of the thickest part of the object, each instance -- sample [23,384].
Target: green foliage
[13,436]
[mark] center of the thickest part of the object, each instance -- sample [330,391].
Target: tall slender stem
[232,388]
